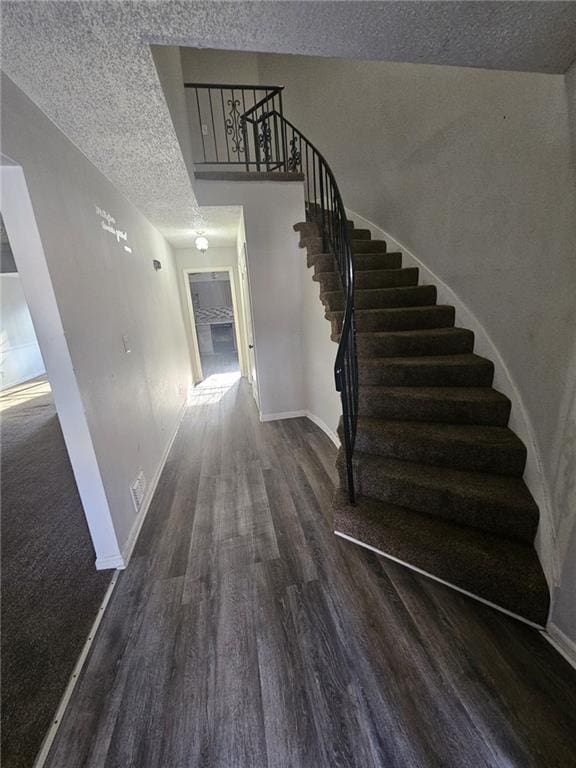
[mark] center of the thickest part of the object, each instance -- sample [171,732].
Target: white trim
[238,327]
[441,581]
[324,427]
[110,561]
[561,642]
[22,228]
[283,415]
[520,422]
[73,679]
[128,547]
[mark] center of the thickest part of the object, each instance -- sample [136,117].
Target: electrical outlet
[204,129]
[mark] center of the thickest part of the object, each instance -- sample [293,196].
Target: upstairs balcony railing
[243,128]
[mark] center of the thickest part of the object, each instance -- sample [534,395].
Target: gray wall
[132,400]
[564,613]
[169,69]
[570,82]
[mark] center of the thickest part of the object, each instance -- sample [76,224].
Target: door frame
[20,222]
[238,327]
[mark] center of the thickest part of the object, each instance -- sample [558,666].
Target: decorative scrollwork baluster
[264,140]
[234,127]
[294,161]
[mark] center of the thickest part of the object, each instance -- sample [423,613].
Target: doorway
[51,591]
[214,318]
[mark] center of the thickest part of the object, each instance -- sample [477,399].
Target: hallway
[245,634]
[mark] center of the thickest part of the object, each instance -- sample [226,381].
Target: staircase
[437,472]
[430,474]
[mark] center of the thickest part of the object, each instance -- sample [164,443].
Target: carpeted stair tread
[464,370]
[453,405]
[460,446]
[376,299]
[315,245]
[368,246]
[497,503]
[504,572]
[371,279]
[324,262]
[402,318]
[417,339]
[360,234]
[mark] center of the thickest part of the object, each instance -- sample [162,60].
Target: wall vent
[137,490]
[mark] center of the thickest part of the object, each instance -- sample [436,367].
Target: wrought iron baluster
[214,136]
[234,126]
[224,123]
[295,154]
[264,140]
[200,124]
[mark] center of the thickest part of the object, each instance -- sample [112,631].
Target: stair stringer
[520,422]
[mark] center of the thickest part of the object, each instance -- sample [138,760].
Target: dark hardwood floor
[245,634]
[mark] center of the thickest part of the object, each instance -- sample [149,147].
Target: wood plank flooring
[244,634]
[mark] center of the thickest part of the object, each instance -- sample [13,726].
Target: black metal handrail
[219,113]
[261,138]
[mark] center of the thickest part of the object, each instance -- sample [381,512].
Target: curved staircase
[438,474]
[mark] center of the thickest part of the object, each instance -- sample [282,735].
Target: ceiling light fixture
[201,243]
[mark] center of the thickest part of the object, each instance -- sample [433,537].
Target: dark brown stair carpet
[465,370]
[506,573]
[400,318]
[324,262]
[416,341]
[315,245]
[376,299]
[496,503]
[460,446]
[453,405]
[437,470]
[372,278]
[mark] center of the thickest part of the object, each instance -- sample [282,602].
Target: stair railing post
[321,174]
[284,135]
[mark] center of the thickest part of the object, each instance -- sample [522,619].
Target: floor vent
[137,490]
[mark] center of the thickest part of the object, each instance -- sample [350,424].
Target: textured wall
[131,400]
[564,459]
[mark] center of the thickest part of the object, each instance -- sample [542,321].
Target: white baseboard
[110,561]
[300,414]
[324,427]
[73,679]
[283,415]
[128,547]
[562,643]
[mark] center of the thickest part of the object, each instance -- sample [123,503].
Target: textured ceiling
[89,67]
[219,225]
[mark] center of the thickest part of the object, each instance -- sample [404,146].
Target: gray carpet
[50,589]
